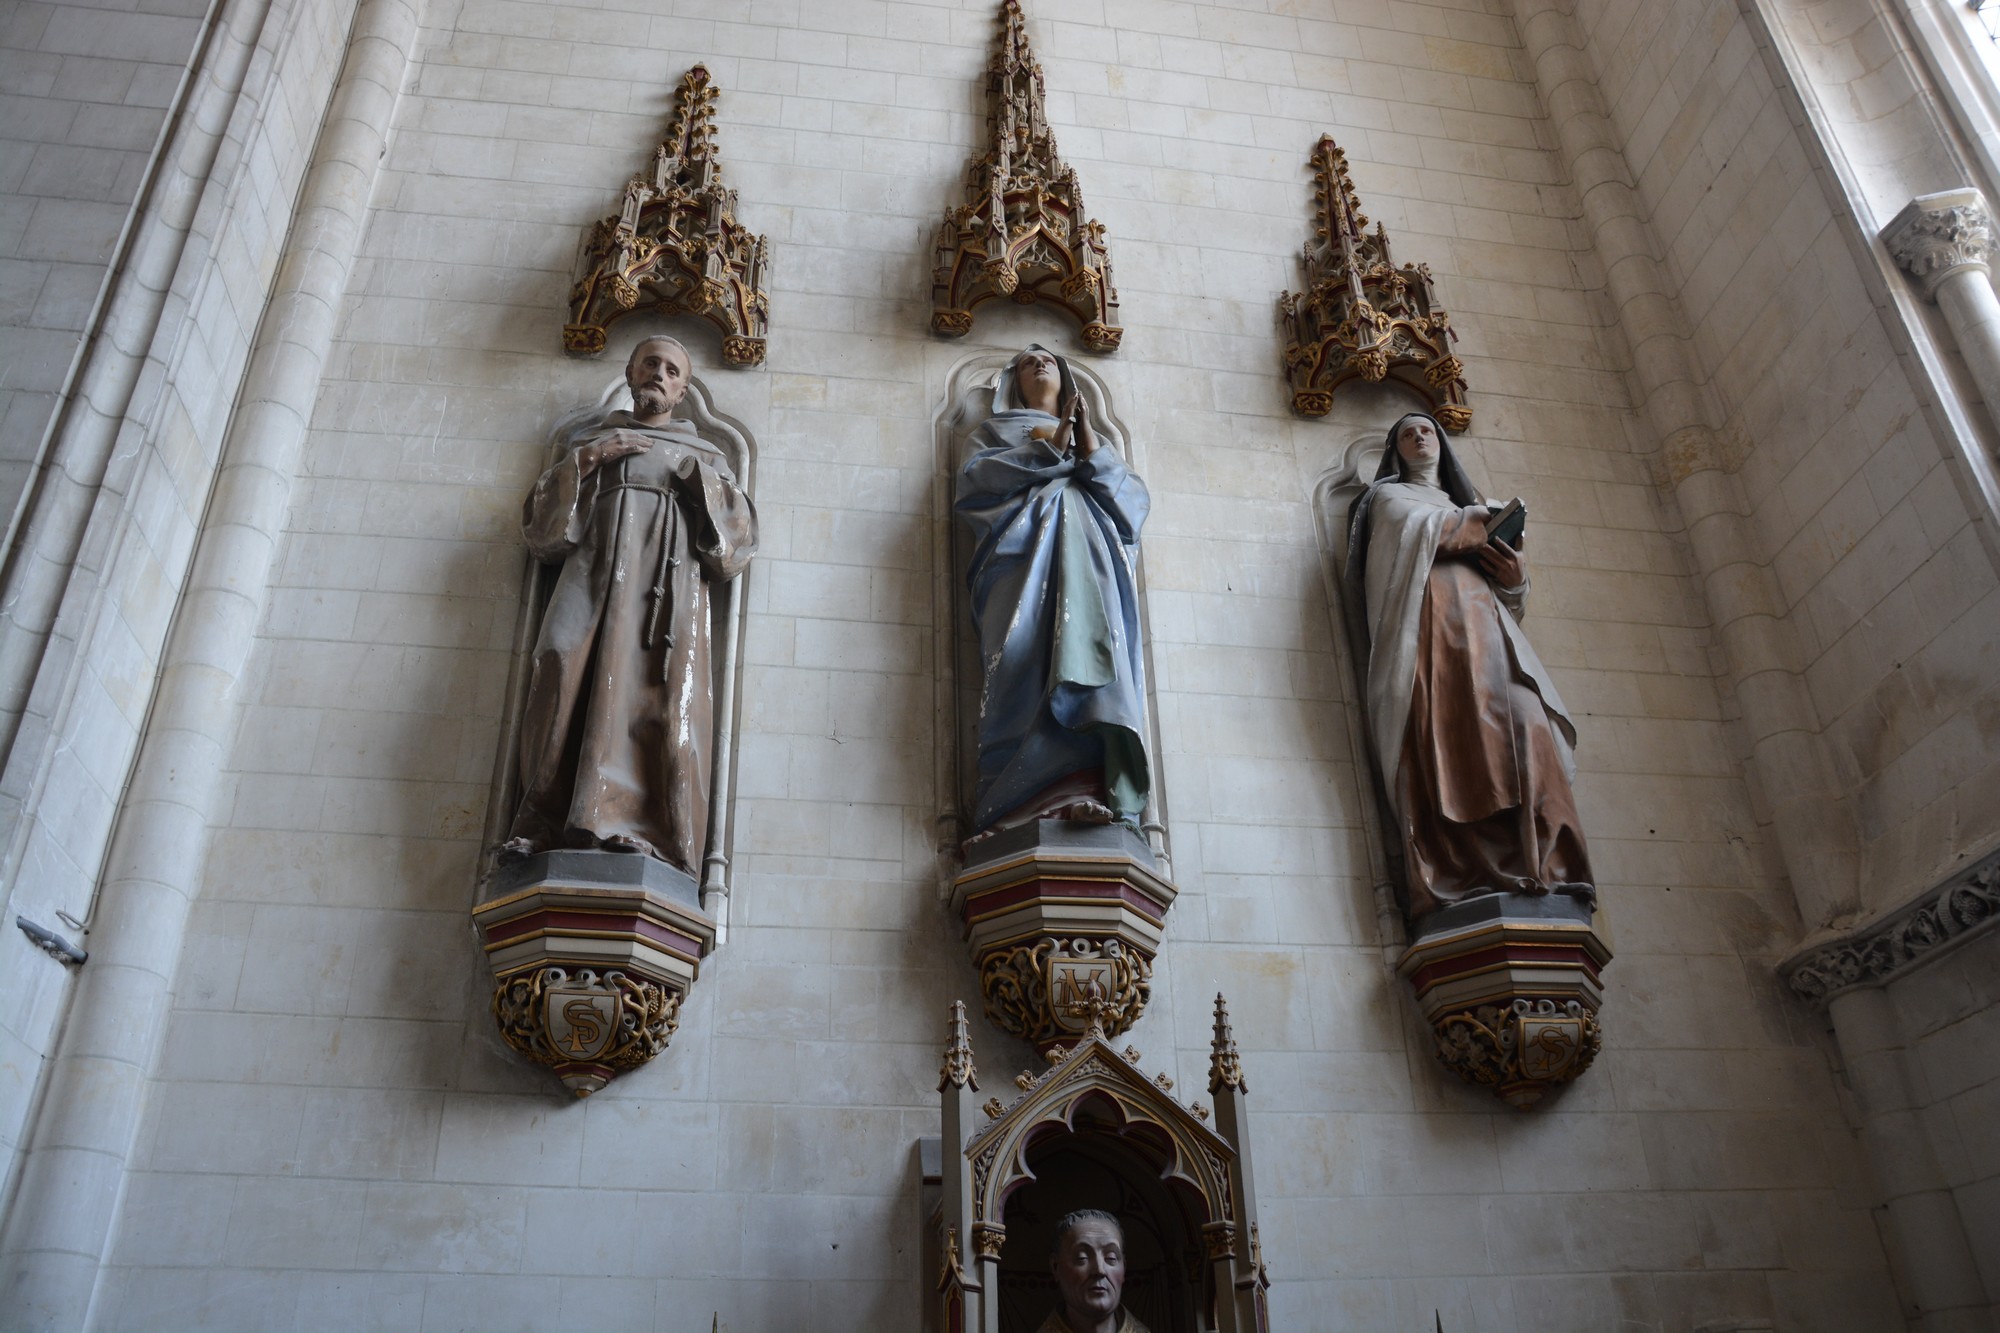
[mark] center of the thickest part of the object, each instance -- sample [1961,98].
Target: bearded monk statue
[645,517]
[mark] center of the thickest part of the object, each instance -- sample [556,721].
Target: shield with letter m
[1073,984]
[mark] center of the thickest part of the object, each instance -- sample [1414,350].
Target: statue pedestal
[1062,916]
[592,954]
[1510,986]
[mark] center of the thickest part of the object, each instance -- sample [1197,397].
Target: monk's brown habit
[1482,786]
[619,722]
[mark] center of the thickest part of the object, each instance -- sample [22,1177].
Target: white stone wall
[93,678]
[1893,600]
[1950,1016]
[84,89]
[335,1125]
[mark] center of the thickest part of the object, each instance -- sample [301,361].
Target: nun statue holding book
[1473,743]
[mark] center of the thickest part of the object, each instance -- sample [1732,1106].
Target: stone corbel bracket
[1360,317]
[592,954]
[1966,904]
[675,247]
[1511,1000]
[1022,231]
[1064,921]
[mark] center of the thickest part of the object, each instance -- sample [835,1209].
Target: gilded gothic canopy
[675,247]
[1022,231]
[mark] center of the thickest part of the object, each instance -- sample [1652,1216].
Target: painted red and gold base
[1063,918]
[1512,1001]
[592,955]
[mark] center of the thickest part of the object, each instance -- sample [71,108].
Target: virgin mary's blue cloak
[1055,603]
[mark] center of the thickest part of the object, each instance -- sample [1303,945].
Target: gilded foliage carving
[1361,317]
[584,1024]
[1022,232]
[1052,989]
[1520,1049]
[988,1238]
[675,247]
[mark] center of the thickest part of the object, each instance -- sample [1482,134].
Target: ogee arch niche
[1096,1167]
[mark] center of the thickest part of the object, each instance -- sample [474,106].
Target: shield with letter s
[581,1022]
[1549,1046]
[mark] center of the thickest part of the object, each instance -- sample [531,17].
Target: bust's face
[1090,1268]
[657,374]
[1037,380]
[1417,440]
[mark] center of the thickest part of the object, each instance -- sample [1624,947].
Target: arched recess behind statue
[726,627]
[1528,1023]
[1333,497]
[968,400]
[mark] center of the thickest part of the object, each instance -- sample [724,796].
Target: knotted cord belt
[666,530]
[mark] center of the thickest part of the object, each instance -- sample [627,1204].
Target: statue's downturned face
[657,374]
[1417,440]
[1037,380]
[1090,1268]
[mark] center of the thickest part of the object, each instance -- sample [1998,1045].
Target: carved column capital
[1938,235]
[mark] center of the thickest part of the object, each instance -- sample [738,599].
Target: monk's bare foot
[1084,812]
[625,842]
[516,848]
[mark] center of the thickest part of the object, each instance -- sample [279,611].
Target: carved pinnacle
[958,1071]
[1225,1066]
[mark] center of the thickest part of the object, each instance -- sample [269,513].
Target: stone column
[1925,1234]
[128,338]
[1945,242]
[59,1227]
[1810,812]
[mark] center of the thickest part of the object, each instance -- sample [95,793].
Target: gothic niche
[596,934]
[1051,828]
[675,247]
[1360,317]
[1504,957]
[1022,232]
[1094,1131]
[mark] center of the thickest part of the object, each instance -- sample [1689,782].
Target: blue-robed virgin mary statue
[1054,519]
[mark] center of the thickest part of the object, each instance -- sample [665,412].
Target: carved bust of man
[1089,1267]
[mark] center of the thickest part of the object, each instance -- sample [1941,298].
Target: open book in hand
[1509,524]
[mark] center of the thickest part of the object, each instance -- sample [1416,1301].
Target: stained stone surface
[331,1122]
